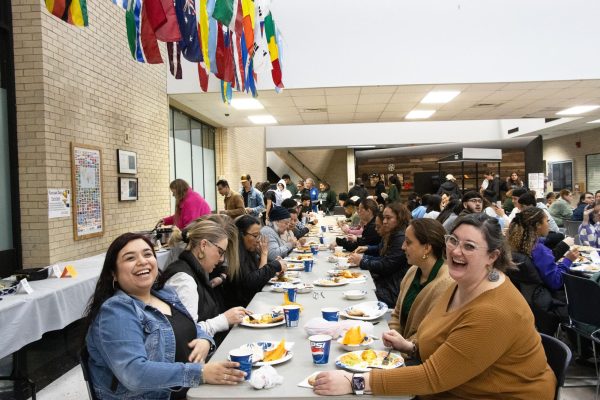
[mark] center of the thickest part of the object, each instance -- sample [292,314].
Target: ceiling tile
[342,99]
[503,95]
[349,108]
[306,92]
[370,108]
[277,101]
[374,98]
[310,101]
[366,116]
[318,117]
[283,110]
[396,107]
[378,89]
[342,91]
[403,97]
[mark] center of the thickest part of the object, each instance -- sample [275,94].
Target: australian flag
[188,25]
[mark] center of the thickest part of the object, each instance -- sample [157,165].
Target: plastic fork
[386,359]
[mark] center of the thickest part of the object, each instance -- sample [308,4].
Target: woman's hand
[361,249]
[572,254]
[200,349]
[351,237]
[345,228]
[223,373]
[160,222]
[586,214]
[283,265]
[393,339]
[263,246]
[355,258]
[333,383]
[235,315]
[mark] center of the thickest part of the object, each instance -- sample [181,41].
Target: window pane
[197,158]
[209,165]
[6,234]
[183,147]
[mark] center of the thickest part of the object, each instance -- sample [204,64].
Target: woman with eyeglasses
[477,342]
[141,341]
[386,261]
[255,270]
[425,281]
[206,245]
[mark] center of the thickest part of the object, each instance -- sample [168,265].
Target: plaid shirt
[589,235]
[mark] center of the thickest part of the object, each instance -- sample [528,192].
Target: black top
[184,330]
[369,237]
[245,196]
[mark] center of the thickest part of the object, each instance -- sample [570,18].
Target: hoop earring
[493,275]
[200,255]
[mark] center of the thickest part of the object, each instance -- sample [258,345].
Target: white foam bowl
[355,294]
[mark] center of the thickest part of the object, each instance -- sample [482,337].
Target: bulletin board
[86,178]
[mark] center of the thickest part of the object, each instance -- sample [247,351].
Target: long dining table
[300,366]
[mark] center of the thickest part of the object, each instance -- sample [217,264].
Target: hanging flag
[121,3]
[203,31]
[212,36]
[140,35]
[235,25]
[250,84]
[248,23]
[238,66]
[228,63]
[169,31]
[203,76]
[223,11]
[188,25]
[261,58]
[73,12]
[273,50]
[226,92]
[148,38]
[174,59]
[154,13]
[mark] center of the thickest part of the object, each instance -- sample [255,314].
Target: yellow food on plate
[353,336]
[368,355]
[351,359]
[276,353]
[264,319]
[356,313]
[304,257]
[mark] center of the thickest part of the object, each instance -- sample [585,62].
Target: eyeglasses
[256,235]
[452,242]
[221,250]
[476,201]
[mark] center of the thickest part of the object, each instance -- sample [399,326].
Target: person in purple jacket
[526,235]
[189,205]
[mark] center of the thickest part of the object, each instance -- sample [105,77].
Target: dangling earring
[113,284]
[493,275]
[200,255]
[424,257]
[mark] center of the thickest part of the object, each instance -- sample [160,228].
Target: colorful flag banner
[174,59]
[188,25]
[273,50]
[73,12]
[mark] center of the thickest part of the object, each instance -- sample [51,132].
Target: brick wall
[564,148]
[81,85]
[240,151]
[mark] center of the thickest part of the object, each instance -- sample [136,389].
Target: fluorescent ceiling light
[596,121]
[577,110]
[262,119]
[440,97]
[419,114]
[362,146]
[246,104]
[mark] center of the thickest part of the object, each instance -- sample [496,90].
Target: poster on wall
[536,183]
[86,178]
[59,203]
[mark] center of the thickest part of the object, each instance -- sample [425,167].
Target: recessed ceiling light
[577,110]
[596,121]
[262,119]
[246,104]
[419,114]
[440,97]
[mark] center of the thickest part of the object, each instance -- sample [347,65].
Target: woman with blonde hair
[189,205]
[206,246]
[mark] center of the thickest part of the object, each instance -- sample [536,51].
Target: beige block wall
[81,85]
[240,151]
[564,148]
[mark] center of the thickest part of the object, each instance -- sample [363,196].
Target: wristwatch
[358,384]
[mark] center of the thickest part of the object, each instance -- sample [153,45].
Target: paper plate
[371,309]
[346,361]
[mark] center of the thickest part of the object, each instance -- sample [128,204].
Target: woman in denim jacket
[142,343]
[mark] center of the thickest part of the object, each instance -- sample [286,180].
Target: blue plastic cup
[244,357]
[308,265]
[291,294]
[314,248]
[330,313]
[321,239]
[292,316]
[319,347]
[323,228]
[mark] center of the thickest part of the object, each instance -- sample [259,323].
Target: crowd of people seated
[469,280]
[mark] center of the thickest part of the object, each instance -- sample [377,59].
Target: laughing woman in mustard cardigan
[425,281]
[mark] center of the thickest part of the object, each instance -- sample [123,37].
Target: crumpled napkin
[265,378]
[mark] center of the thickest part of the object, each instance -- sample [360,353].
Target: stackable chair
[558,355]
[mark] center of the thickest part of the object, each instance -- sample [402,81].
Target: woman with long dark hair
[387,261]
[367,211]
[189,205]
[132,321]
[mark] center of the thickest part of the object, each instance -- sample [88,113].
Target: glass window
[561,174]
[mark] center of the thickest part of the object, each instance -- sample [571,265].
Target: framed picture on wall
[128,189]
[86,178]
[127,162]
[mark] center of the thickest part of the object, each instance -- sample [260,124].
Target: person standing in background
[313,192]
[379,189]
[514,182]
[327,198]
[358,190]
[234,202]
[253,199]
[394,190]
[189,205]
[289,185]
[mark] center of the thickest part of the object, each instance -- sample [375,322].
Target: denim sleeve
[550,272]
[122,346]
[260,204]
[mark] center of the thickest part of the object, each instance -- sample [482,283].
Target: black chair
[583,302]
[558,355]
[571,229]
[84,357]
